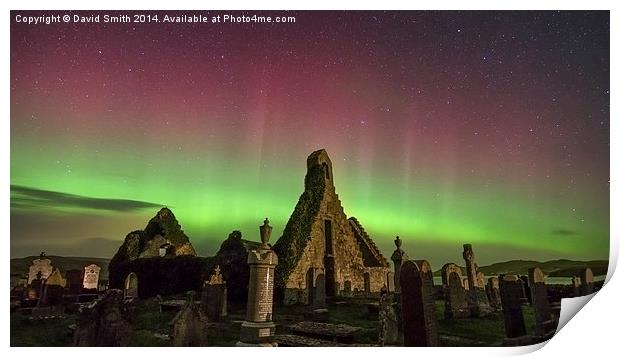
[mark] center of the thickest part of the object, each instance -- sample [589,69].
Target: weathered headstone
[527,292]
[74,281]
[213,301]
[576,284]
[480,280]
[53,290]
[189,327]
[544,323]
[510,287]
[417,304]
[587,282]
[35,288]
[390,282]
[465,284]
[104,323]
[347,289]
[131,286]
[493,293]
[258,328]
[456,305]
[388,333]
[91,276]
[398,257]
[43,265]
[319,291]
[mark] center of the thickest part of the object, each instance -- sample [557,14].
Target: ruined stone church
[321,249]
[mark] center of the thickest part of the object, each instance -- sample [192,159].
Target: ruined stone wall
[348,260]
[378,278]
[303,243]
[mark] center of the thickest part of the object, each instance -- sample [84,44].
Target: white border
[589,332]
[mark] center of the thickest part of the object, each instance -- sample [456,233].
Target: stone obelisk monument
[258,328]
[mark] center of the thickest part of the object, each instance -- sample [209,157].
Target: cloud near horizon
[29,197]
[563,232]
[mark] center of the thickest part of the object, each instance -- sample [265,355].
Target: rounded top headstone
[588,276]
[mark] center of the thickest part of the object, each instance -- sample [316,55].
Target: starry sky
[444,128]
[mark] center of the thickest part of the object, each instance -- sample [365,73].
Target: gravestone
[390,282]
[35,288]
[43,265]
[74,281]
[576,284]
[213,301]
[131,286]
[527,292]
[91,277]
[456,305]
[465,284]
[53,289]
[398,257]
[480,280]
[388,333]
[511,290]
[587,282]
[367,291]
[189,327]
[318,308]
[105,322]
[417,304]
[493,293]
[258,328]
[347,289]
[544,324]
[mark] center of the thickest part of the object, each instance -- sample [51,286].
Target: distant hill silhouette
[555,268]
[19,266]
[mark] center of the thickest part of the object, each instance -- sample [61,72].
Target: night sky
[490,128]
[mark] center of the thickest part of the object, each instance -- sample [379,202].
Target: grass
[487,331]
[32,333]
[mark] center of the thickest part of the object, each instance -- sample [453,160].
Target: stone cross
[417,304]
[214,296]
[258,328]
[398,257]
[468,256]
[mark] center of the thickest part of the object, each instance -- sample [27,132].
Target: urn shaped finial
[398,242]
[265,232]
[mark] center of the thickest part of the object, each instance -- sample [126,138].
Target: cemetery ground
[150,325]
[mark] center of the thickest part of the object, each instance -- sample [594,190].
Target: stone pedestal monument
[398,257]
[258,328]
